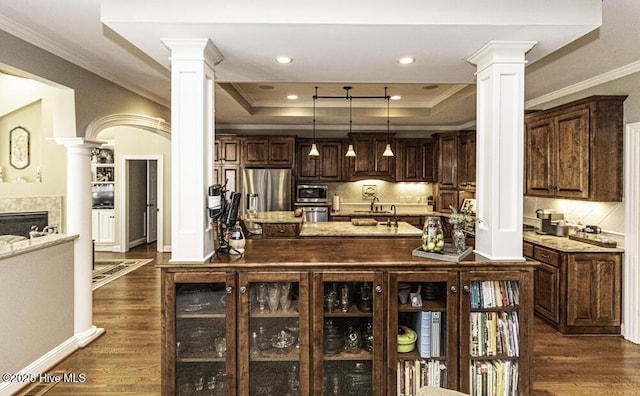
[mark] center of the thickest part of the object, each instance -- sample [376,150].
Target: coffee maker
[551,223]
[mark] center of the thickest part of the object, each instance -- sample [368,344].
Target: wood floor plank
[126,359]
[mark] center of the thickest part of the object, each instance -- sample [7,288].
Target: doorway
[141,210]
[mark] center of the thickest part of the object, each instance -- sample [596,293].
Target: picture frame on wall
[19,147]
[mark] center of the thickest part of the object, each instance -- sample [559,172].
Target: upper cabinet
[369,163]
[416,160]
[227,150]
[467,161]
[448,160]
[327,166]
[268,151]
[575,151]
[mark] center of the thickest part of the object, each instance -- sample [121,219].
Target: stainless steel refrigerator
[273,189]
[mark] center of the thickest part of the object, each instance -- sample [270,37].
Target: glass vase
[459,241]
[433,236]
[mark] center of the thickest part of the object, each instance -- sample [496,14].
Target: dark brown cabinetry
[302,335]
[456,169]
[227,161]
[326,167]
[280,230]
[416,160]
[575,151]
[369,161]
[578,293]
[467,161]
[268,151]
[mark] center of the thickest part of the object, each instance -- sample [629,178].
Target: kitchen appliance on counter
[265,190]
[551,223]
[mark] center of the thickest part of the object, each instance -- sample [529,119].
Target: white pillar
[631,267]
[192,139]
[78,212]
[500,151]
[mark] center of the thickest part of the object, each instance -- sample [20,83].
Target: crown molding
[54,48]
[603,78]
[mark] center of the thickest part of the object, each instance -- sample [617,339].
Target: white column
[78,212]
[500,151]
[192,139]
[631,266]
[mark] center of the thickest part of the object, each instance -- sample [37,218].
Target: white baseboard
[40,365]
[166,249]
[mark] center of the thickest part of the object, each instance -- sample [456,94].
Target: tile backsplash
[386,192]
[609,216]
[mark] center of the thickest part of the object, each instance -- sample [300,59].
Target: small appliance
[315,193]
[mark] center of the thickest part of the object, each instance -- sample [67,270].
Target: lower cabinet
[578,292]
[346,332]
[103,228]
[280,230]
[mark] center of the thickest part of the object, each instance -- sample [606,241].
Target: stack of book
[494,377]
[415,374]
[494,334]
[495,294]
[431,330]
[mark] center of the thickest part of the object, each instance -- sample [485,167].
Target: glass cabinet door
[348,333]
[422,344]
[273,334]
[202,343]
[496,317]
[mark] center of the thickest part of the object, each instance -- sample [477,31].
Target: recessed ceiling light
[395,97]
[406,60]
[284,60]
[432,86]
[292,97]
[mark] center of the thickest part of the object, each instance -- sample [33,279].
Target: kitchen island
[348,229]
[236,298]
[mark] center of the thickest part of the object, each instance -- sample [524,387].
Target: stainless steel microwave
[312,193]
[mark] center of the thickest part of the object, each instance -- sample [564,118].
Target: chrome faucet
[395,216]
[373,201]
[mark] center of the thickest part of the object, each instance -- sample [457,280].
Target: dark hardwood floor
[126,359]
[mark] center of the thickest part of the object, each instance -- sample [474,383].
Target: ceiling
[334,44]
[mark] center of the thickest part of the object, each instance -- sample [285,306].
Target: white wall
[127,141]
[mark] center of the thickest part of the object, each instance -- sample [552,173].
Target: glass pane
[422,336]
[274,329]
[348,338]
[494,337]
[200,338]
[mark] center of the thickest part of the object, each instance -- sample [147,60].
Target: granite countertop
[346,228]
[564,244]
[273,217]
[399,212]
[9,249]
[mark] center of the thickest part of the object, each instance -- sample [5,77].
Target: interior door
[152,201]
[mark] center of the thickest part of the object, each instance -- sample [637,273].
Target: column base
[88,336]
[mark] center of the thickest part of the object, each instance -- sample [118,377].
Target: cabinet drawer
[546,255]
[527,249]
[279,230]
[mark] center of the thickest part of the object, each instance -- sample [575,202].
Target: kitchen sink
[372,211]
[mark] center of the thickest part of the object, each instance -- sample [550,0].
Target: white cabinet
[103,228]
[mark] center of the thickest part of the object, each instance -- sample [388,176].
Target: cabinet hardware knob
[454,289]
[243,289]
[229,289]
[281,230]
[466,288]
[544,256]
[378,289]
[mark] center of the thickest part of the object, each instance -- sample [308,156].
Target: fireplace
[20,223]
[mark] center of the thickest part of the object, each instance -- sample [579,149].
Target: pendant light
[350,151]
[387,150]
[314,149]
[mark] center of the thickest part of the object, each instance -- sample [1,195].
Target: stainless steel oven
[312,193]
